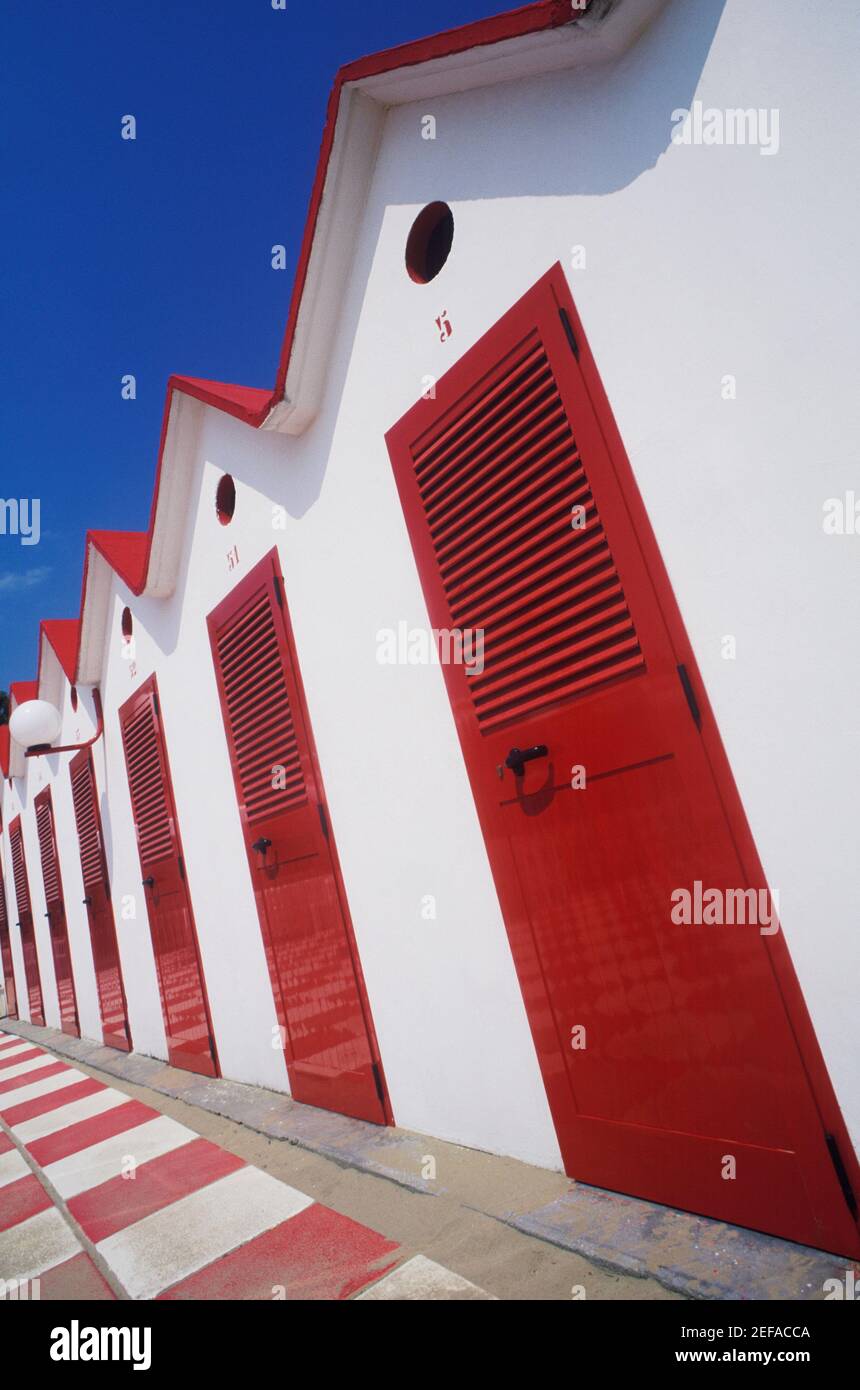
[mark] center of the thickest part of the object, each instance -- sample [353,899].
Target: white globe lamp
[35,723]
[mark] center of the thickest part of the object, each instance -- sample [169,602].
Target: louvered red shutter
[19,870]
[87,822]
[257,707]
[6,955]
[502,485]
[50,874]
[147,785]
[187,1023]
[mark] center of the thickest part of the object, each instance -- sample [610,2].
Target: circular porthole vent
[429,243]
[225,499]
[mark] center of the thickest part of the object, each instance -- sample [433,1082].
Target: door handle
[148,882]
[88,902]
[518,757]
[261,845]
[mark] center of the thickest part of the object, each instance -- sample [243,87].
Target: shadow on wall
[622,124]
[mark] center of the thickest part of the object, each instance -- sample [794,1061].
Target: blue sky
[149,256]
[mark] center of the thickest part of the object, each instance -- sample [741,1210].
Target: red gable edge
[62,634]
[529,19]
[19,691]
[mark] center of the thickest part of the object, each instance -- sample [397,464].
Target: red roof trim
[513,24]
[20,691]
[62,634]
[530,19]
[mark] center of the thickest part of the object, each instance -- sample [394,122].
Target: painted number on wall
[233,557]
[443,323]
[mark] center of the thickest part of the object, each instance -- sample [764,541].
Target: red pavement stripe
[120,1202]
[40,1074]
[10,1041]
[40,1105]
[5,1144]
[76,1280]
[22,1057]
[317,1254]
[22,1199]
[88,1132]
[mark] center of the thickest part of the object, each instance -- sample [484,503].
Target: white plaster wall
[78,725]
[20,803]
[19,797]
[700,262]
[401,811]
[37,779]
[171,639]
[401,830]
[11,808]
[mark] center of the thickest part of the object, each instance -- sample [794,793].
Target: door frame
[46,796]
[552,290]
[17,825]
[11,1005]
[150,686]
[270,565]
[81,759]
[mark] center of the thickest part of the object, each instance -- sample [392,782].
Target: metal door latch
[518,757]
[261,845]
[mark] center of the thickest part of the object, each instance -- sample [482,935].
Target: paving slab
[689,1255]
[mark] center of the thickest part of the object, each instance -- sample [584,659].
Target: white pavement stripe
[105,1160]
[70,1114]
[32,1247]
[420,1278]
[32,1064]
[167,1246]
[18,1095]
[12,1167]
[15,1051]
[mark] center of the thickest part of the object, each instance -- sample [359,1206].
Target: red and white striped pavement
[86,1171]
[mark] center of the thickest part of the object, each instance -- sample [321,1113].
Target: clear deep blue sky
[151,256]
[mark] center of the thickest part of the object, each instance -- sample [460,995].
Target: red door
[329,1043]
[665,1049]
[184,1006]
[6,955]
[56,913]
[25,922]
[111,992]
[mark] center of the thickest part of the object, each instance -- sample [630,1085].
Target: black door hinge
[377,1077]
[181,867]
[569,333]
[323,819]
[687,685]
[842,1174]
[279,593]
[156,706]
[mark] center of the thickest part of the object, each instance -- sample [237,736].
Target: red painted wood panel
[97,900]
[322,1008]
[6,954]
[664,1048]
[181,983]
[25,922]
[56,913]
